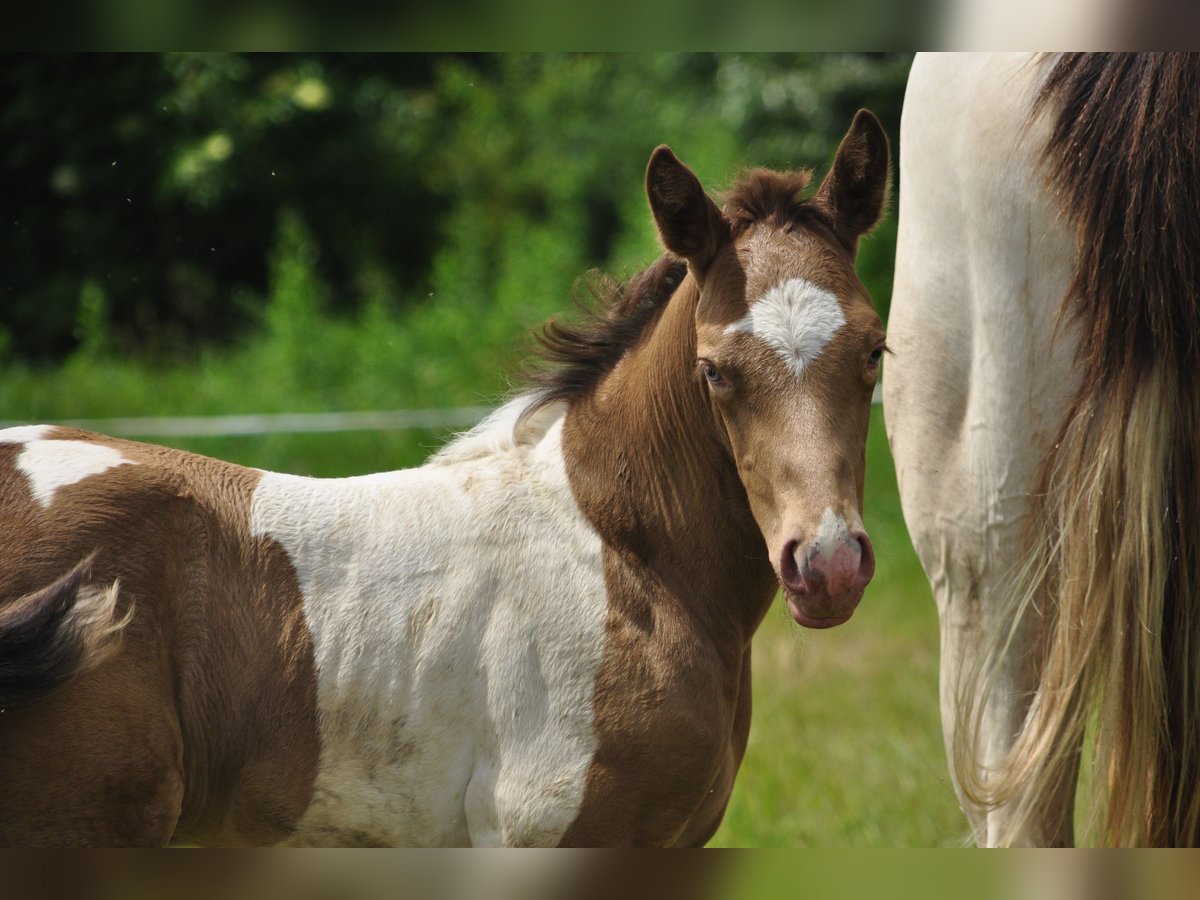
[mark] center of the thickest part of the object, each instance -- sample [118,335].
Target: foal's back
[443,625]
[197,715]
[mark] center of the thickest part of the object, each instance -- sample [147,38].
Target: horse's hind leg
[978,382]
[967,602]
[97,763]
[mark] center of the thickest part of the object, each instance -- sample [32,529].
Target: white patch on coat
[50,465]
[457,613]
[23,434]
[796,319]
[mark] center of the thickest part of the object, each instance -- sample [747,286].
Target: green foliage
[489,181]
[91,322]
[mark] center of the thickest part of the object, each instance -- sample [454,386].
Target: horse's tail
[53,634]
[1114,532]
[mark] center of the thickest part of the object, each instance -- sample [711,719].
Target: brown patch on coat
[653,462]
[203,725]
[672,698]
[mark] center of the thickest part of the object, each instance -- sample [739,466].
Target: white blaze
[832,533]
[796,319]
[50,465]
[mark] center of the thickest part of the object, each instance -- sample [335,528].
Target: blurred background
[192,234]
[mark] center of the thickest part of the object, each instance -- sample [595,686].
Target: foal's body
[540,637]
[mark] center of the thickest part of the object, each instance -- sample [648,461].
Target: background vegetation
[221,233]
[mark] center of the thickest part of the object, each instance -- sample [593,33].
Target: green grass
[845,746]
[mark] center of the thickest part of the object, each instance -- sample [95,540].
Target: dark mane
[764,195]
[576,356]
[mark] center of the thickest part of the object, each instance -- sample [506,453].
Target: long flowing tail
[51,635]
[1114,535]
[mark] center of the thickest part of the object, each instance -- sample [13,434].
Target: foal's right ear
[689,223]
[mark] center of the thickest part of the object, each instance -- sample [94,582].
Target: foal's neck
[651,469]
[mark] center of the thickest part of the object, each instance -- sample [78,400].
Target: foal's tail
[1115,525]
[55,633]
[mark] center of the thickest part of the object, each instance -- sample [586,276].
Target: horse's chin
[817,615]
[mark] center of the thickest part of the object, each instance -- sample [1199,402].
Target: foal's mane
[575,357]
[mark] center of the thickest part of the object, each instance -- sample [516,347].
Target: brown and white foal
[540,637]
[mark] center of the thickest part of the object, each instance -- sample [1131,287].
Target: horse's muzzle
[823,580]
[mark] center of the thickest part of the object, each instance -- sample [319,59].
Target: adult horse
[1044,415]
[540,637]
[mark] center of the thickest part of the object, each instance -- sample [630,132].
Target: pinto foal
[540,637]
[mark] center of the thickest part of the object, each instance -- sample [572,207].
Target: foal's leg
[97,763]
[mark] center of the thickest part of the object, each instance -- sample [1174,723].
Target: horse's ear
[856,189]
[689,223]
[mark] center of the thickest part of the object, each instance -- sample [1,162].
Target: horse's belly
[415,798]
[452,787]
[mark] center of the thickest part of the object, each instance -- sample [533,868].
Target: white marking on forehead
[50,465]
[796,319]
[22,434]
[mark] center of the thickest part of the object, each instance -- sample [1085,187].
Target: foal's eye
[710,372]
[875,357]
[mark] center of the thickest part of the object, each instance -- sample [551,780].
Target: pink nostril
[847,571]
[789,570]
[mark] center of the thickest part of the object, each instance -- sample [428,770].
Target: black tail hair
[42,644]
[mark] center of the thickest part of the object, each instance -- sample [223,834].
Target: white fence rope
[278,423]
[287,423]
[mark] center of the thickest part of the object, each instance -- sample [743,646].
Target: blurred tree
[159,181]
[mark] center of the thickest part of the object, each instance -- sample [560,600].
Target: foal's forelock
[764,196]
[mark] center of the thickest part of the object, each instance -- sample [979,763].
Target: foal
[540,637]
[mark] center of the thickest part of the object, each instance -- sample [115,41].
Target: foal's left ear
[856,189]
[689,223]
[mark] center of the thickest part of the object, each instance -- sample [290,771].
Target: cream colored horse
[1041,413]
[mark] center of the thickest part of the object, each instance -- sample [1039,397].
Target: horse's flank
[220,695]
